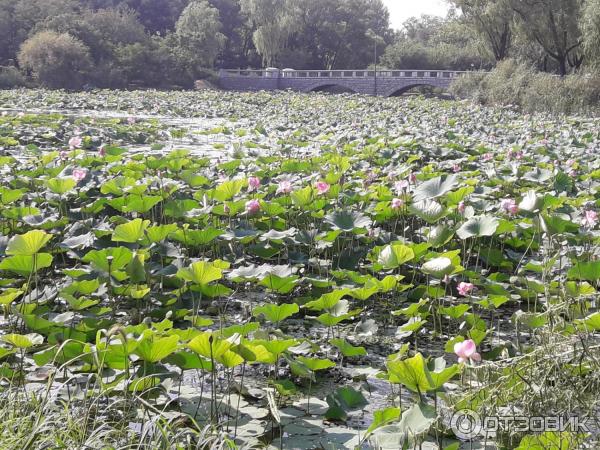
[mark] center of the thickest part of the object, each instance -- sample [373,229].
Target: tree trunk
[562,66]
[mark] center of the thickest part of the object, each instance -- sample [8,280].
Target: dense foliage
[190,270]
[517,84]
[171,43]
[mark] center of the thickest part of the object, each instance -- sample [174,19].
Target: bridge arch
[397,91]
[333,87]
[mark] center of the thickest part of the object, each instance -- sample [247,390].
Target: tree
[239,50]
[492,19]
[19,17]
[102,31]
[199,38]
[56,60]
[554,25]
[333,33]
[274,22]
[151,63]
[8,31]
[157,16]
[590,26]
[431,42]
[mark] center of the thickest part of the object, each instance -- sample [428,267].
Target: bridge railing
[291,73]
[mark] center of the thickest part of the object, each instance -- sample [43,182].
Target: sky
[400,10]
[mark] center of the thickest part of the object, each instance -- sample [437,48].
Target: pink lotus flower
[590,219]
[570,162]
[253,183]
[131,120]
[509,206]
[488,157]
[466,350]
[401,186]
[455,168]
[252,206]
[397,203]
[461,207]
[572,173]
[75,142]
[63,155]
[465,289]
[322,187]
[79,174]
[284,187]
[412,178]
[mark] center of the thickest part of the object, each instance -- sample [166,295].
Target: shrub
[10,77]
[56,60]
[511,83]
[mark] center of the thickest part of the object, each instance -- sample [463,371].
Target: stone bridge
[382,82]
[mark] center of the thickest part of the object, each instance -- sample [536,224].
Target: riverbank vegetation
[519,85]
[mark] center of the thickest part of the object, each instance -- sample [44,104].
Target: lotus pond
[276,270]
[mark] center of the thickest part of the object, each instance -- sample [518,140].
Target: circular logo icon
[465,423]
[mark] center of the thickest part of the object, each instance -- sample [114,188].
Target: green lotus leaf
[61,185]
[393,256]
[209,345]
[155,350]
[438,267]
[10,295]
[428,210]
[28,244]
[23,341]
[478,226]
[434,188]
[201,273]
[130,232]
[348,349]
[316,364]
[276,313]
[282,285]
[347,220]
[25,265]
[228,189]
[383,417]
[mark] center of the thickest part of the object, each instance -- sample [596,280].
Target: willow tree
[590,26]
[492,20]
[274,22]
[555,26]
[198,33]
